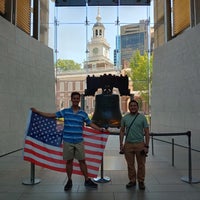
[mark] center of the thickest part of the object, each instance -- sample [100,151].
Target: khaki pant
[132,151]
[71,151]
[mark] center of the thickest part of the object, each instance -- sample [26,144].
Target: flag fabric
[43,145]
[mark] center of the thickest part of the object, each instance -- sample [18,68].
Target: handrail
[6,154]
[176,144]
[167,134]
[188,179]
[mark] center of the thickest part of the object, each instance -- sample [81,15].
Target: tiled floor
[163,181]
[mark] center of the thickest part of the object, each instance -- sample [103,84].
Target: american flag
[43,145]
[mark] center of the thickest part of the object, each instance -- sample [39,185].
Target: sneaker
[68,186]
[130,184]
[90,183]
[141,186]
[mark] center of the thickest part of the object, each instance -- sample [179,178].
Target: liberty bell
[107,110]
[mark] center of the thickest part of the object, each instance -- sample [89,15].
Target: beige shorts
[71,151]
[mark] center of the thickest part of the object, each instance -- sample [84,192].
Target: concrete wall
[26,80]
[176,87]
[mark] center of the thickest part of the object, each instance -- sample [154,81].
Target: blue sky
[72,34]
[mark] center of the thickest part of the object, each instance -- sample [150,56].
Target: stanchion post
[173,152]
[102,168]
[102,178]
[189,179]
[190,158]
[32,180]
[152,145]
[32,173]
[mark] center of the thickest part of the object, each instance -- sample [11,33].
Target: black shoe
[130,184]
[90,183]
[68,186]
[141,186]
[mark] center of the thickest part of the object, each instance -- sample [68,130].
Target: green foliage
[141,73]
[65,65]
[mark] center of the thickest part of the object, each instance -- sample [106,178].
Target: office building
[133,37]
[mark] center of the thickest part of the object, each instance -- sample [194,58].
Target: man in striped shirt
[73,147]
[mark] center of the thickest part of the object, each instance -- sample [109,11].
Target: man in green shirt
[136,144]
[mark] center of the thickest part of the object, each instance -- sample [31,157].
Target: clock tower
[99,49]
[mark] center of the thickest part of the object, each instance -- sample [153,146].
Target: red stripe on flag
[42,164]
[94,137]
[41,156]
[93,160]
[42,148]
[93,152]
[91,144]
[90,130]
[50,157]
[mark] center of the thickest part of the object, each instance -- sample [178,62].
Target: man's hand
[103,130]
[34,110]
[121,149]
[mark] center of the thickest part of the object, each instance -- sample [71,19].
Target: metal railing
[188,179]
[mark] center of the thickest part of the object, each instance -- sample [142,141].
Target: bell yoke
[107,110]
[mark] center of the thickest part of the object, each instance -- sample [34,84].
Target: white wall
[176,87]
[26,80]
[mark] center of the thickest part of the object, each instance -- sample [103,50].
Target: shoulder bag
[122,152]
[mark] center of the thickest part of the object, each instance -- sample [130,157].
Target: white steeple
[98,57]
[98,18]
[98,28]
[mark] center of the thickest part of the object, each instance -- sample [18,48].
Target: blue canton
[45,130]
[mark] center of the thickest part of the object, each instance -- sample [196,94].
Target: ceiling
[74,3]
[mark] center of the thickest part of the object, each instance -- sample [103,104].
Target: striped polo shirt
[73,124]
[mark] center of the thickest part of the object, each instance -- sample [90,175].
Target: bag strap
[131,124]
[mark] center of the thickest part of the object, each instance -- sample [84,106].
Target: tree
[141,73]
[65,65]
